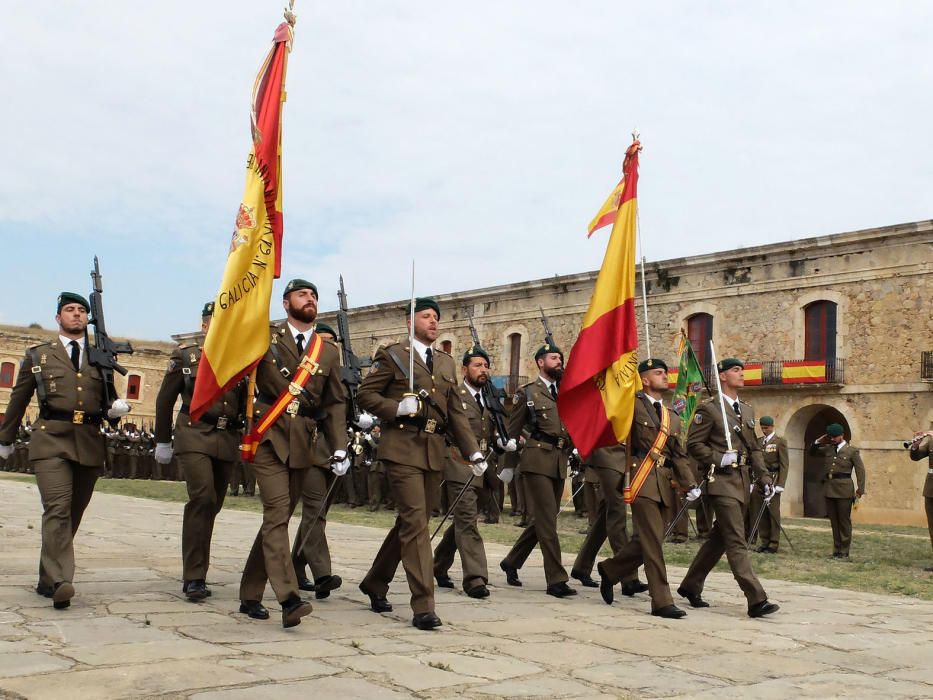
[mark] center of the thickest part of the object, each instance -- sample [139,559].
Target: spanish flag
[597,394]
[607,214]
[239,333]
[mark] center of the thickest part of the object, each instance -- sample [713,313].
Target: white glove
[163,452]
[728,459]
[118,409]
[778,489]
[479,468]
[365,421]
[694,494]
[506,475]
[339,463]
[408,406]
[509,446]
[574,452]
[769,492]
[751,488]
[6,451]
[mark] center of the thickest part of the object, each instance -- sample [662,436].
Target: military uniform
[67,449]
[918,451]
[463,535]
[288,449]
[655,503]
[841,462]
[728,493]
[543,465]
[413,451]
[206,449]
[774,453]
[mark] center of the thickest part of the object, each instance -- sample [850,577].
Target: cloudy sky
[478,138]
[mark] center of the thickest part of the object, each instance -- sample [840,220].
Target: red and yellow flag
[239,333]
[597,394]
[607,214]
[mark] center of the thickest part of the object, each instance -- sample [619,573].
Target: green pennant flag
[689,385]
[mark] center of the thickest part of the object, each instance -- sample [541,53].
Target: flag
[239,332]
[689,383]
[607,214]
[597,394]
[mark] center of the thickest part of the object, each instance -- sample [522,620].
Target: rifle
[491,396]
[103,353]
[548,336]
[351,371]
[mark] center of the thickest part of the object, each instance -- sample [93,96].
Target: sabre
[570,500]
[411,334]
[754,530]
[320,513]
[722,401]
[457,499]
[680,514]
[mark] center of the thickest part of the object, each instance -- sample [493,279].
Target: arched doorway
[803,429]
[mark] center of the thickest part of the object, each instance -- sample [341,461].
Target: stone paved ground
[130,633]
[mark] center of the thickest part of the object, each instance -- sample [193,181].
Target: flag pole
[644,289]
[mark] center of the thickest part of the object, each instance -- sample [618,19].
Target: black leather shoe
[444,581]
[377,603]
[44,590]
[324,585]
[305,584]
[671,612]
[771,550]
[426,621]
[585,579]
[763,608]
[928,569]
[479,591]
[695,599]
[521,523]
[511,574]
[254,609]
[62,595]
[605,585]
[630,588]
[195,590]
[560,590]
[293,610]
[762,549]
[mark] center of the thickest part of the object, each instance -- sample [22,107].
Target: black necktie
[735,407]
[300,340]
[657,409]
[75,355]
[479,401]
[429,359]
[554,391]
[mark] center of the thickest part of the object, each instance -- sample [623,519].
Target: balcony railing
[785,372]
[508,383]
[926,366]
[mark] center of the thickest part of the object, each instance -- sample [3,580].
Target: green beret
[835,430]
[474,351]
[766,420]
[422,303]
[208,309]
[547,349]
[298,283]
[729,363]
[650,364]
[324,328]
[71,298]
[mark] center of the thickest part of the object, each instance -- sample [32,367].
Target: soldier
[841,460]
[413,450]
[299,395]
[67,449]
[774,451]
[922,446]
[728,489]
[657,456]
[463,535]
[543,464]
[207,449]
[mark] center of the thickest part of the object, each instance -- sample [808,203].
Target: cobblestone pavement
[130,633]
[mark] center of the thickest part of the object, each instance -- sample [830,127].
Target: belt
[76,417]
[833,475]
[558,442]
[219,422]
[293,409]
[421,424]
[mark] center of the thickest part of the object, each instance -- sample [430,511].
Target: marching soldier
[66,449]
[728,489]
[658,456]
[413,450]
[299,395]
[207,450]
[463,535]
[922,446]
[543,465]
[841,461]
[774,452]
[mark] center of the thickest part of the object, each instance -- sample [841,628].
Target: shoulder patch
[374,366]
[698,418]
[171,365]
[516,399]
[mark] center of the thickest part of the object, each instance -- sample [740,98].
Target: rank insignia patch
[698,418]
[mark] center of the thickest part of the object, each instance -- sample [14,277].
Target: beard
[306,314]
[556,374]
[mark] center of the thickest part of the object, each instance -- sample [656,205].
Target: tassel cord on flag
[250,403]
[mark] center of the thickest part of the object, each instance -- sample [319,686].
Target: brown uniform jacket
[844,462]
[645,428]
[706,443]
[774,452]
[481,424]
[540,455]
[409,441]
[321,406]
[66,391]
[202,436]
[922,449]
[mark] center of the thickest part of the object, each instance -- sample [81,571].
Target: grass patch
[880,563]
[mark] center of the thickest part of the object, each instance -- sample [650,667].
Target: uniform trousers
[206,479]
[928,504]
[839,511]
[543,500]
[462,535]
[610,523]
[316,552]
